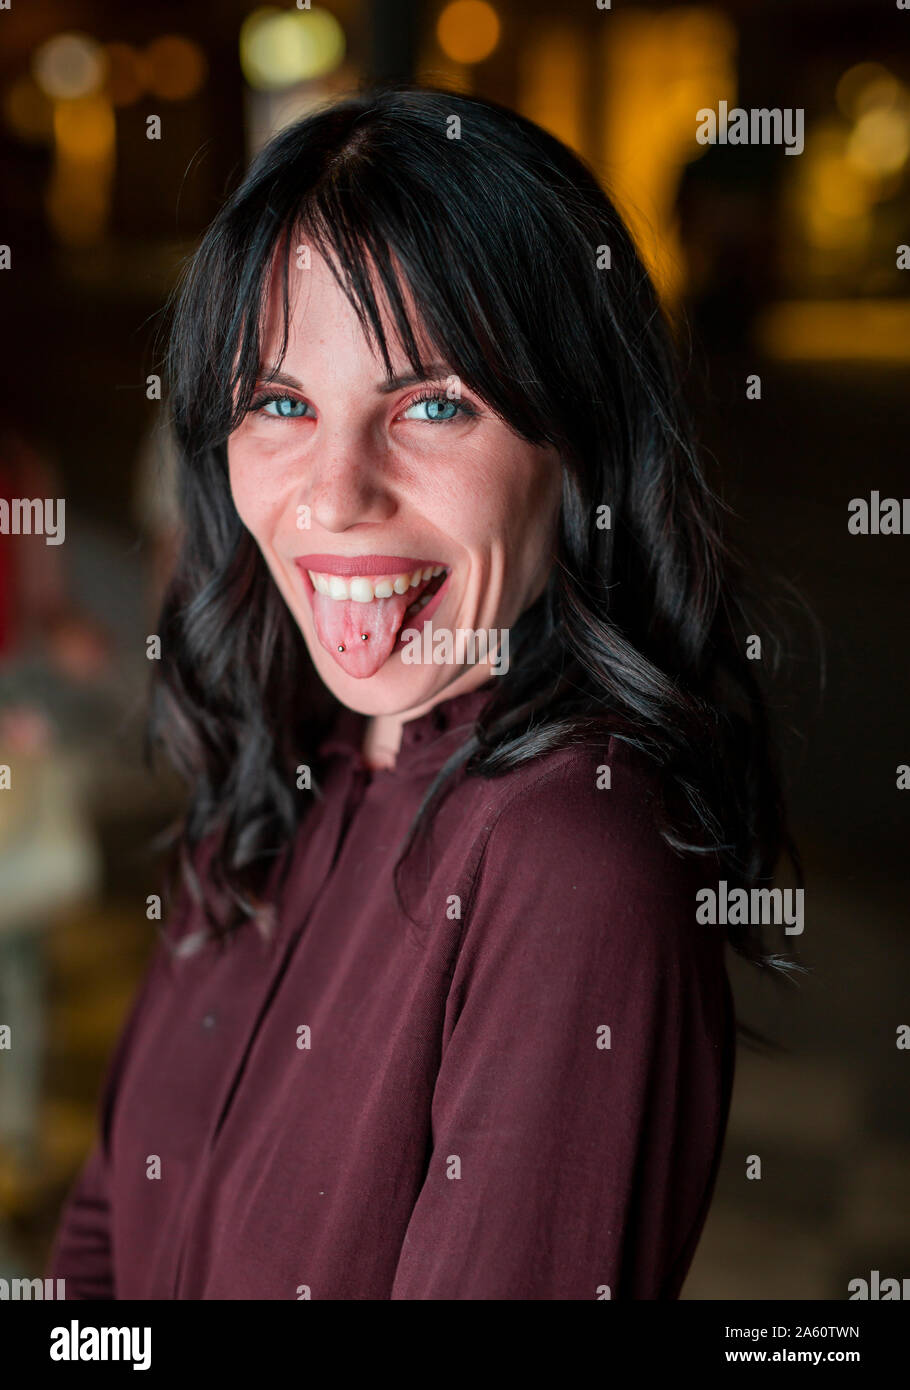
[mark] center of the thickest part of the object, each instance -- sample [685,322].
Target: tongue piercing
[364,637]
[341,649]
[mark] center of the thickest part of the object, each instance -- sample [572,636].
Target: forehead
[323,320]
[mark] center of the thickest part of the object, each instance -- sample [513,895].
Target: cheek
[517,509]
[507,524]
[484,511]
[250,488]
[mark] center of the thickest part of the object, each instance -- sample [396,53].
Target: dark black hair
[501,235]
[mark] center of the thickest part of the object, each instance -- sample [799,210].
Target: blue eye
[281,407]
[437,407]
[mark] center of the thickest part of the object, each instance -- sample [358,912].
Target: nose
[347,480]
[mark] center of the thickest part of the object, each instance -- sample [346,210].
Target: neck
[382,738]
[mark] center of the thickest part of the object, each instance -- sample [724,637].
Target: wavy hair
[498,233]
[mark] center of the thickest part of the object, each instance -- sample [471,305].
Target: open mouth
[426,592]
[360,619]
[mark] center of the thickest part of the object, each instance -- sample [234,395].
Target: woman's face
[379,511]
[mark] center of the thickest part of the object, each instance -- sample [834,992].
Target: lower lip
[409,624]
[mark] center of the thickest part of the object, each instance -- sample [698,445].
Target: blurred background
[121,130]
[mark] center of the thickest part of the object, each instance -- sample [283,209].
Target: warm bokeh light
[837,330]
[880,141]
[551,80]
[27,111]
[69,66]
[84,128]
[279,48]
[659,69]
[72,70]
[852,164]
[863,86]
[175,67]
[78,200]
[468,30]
[125,74]
[830,196]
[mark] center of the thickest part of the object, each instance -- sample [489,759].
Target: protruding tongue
[341,623]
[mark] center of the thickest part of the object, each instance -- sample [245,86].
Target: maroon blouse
[520,1094]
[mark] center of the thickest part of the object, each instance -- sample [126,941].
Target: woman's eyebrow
[267,374]
[435,371]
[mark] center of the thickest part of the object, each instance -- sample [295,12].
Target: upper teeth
[365,590]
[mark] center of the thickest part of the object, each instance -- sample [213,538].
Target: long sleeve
[569,1162]
[81,1252]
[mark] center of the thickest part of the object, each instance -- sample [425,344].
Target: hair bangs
[399,288]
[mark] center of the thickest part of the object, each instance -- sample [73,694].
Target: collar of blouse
[426,742]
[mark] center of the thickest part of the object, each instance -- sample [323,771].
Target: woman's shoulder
[585,816]
[570,857]
[597,793]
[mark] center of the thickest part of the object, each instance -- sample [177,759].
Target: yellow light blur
[551,71]
[28,112]
[78,199]
[279,48]
[880,141]
[658,69]
[838,190]
[468,30]
[864,86]
[69,66]
[125,74]
[830,196]
[837,330]
[840,231]
[84,128]
[175,67]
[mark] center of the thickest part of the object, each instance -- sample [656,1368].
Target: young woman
[450,663]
